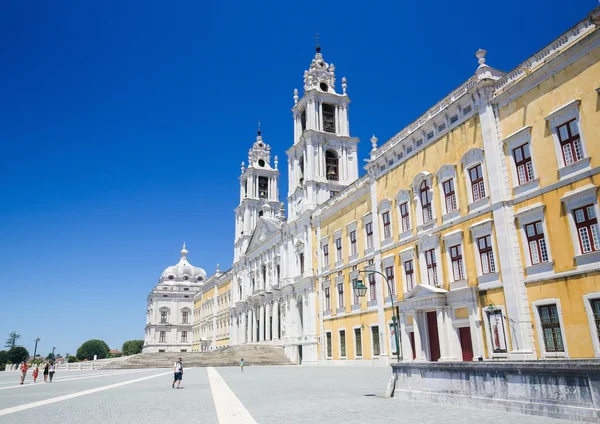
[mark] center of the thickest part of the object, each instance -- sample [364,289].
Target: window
[587,228]
[467,110]
[425,194]
[325,255]
[430,135]
[404,217]
[327,299]
[551,331]
[457,262]
[303,120]
[163,317]
[409,273]
[441,127]
[263,187]
[342,343]
[184,336]
[278,274]
[358,342]
[477,185]
[184,317]
[264,275]
[389,274]
[570,142]
[331,161]
[340,295]
[486,254]
[353,248]
[375,339]
[387,228]
[522,157]
[301,259]
[163,337]
[333,193]
[328,118]
[431,267]
[329,347]
[595,305]
[369,231]
[338,249]
[537,243]
[449,195]
[419,142]
[372,287]
[453,119]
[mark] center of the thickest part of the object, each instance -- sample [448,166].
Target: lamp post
[360,289]
[37,340]
[53,349]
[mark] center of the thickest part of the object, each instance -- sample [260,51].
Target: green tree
[11,342]
[71,359]
[3,359]
[91,348]
[132,347]
[18,354]
[50,356]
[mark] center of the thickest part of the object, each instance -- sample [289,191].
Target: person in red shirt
[23,371]
[36,371]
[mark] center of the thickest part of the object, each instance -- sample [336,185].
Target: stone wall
[558,389]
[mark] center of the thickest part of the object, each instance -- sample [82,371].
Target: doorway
[299,354]
[466,345]
[434,341]
[412,344]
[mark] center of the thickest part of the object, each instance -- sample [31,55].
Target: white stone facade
[169,315]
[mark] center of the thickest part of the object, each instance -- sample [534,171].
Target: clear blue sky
[123,125]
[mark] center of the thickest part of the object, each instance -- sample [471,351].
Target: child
[36,371]
[242,364]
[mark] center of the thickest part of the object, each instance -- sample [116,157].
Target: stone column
[475,325]
[443,335]
[419,329]
[261,323]
[407,353]
[249,329]
[268,314]
[275,320]
[254,319]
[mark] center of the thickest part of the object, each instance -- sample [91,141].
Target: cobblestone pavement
[272,395]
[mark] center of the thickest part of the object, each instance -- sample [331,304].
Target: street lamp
[37,340]
[53,348]
[360,290]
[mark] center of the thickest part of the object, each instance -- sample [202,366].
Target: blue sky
[123,125]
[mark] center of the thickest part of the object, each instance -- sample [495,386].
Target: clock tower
[324,158]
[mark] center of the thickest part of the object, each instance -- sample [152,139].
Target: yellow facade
[211,313]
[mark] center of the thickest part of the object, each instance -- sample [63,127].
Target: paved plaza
[264,395]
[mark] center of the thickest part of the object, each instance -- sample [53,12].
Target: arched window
[260,213]
[426,195]
[331,161]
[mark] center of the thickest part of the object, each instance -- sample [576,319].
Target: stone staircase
[229,356]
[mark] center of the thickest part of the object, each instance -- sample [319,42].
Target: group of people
[49,370]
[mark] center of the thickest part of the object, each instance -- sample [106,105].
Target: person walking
[178,373]
[23,371]
[242,364]
[46,367]
[51,371]
[36,371]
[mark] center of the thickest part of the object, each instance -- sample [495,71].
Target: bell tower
[259,193]
[324,157]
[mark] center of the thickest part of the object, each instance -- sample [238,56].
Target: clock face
[261,163]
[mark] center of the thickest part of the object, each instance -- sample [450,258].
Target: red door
[412,344]
[434,341]
[465,343]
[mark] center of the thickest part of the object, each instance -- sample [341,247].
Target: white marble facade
[169,315]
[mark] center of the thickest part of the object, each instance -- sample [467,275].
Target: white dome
[184,271]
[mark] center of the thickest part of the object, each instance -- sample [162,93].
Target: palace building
[481,215]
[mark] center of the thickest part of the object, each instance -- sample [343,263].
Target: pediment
[424,290]
[264,229]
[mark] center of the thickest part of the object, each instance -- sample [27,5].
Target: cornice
[349,194]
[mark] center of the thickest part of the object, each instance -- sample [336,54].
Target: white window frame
[386,262]
[517,139]
[362,343]
[472,158]
[558,117]
[326,285]
[585,195]
[416,189]
[340,308]
[368,219]
[455,238]
[349,228]
[426,243]
[540,334]
[587,298]
[403,196]
[340,343]
[445,173]
[324,241]
[385,206]
[478,230]
[371,339]
[408,255]
[337,234]
[527,216]
[327,344]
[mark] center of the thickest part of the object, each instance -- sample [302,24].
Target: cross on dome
[320,75]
